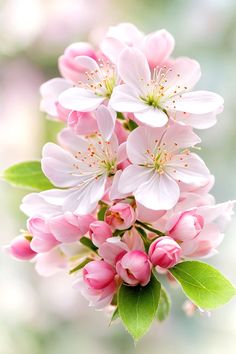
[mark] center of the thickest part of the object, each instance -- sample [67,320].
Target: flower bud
[68,65]
[20,248]
[134,268]
[120,216]
[99,231]
[185,226]
[164,252]
[98,274]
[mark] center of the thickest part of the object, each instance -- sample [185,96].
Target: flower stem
[149,228]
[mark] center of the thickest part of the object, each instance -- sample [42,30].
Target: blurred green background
[45,316]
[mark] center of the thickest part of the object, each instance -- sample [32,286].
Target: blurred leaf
[163,309]
[114,316]
[27,175]
[88,243]
[203,284]
[138,306]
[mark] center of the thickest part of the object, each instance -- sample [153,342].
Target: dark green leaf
[101,213]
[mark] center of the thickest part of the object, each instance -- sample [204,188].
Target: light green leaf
[27,175]
[115,315]
[163,306]
[138,306]
[203,284]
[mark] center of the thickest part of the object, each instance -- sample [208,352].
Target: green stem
[149,228]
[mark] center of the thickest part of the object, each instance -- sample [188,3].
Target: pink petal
[71,141]
[158,46]
[133,68]
[106,119]
[80,99]
[188,168]
[112,48]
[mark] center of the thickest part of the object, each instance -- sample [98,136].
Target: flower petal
[152,116]
[132,177]
[125,98]
[80,99]
[160,192]
[133,68]
[196,102]
[106,119]
[188,168]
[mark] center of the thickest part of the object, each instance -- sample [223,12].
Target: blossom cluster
[131,193]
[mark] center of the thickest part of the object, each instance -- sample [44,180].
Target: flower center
[101,81]
[97,159]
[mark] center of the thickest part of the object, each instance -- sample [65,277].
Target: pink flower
[164,252]
[20,248]
[120,216]
[156,46]
[43,239]
[84,167]
[153,96]
[68,64]
[158,163]
[93,89]
[69,228]
[99,231]
[98,283]
[83,123]
[134,268]
[185,226]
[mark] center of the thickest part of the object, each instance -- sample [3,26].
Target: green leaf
[203,284]
[80,266]
[132,125]
[138,306]
[88,243]
[27,175]
[163,306]
[115,315]
[101,213]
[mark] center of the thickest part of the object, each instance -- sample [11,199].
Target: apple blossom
[151,96]
[99,231]
[159,161]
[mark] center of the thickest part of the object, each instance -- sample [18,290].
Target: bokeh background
[45,316]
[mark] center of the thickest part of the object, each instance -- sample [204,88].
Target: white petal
[84,199]
[132,176]
[106,119]
[114,192]
[126,98]
[133,68]
[152,116]
[188,168]
[34,204]
[122,153]
[160,192]
[112,48]
[197,102]
[57,164]
[80,99]
[89,64]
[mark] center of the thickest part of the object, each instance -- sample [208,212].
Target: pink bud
[185,226]
[134,268]
[120,216]
[98,274]
[83,123]
[164,252]
[99,231]
[68,65]
[20,248]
